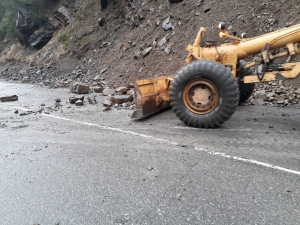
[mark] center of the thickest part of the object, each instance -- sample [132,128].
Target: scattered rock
[274,93]
[163,40]
[92,100]
[121,90]
[257,102]
[207,10]
[73,100]
[107,108]
[101,21]
[25,113]
[108,91]
[96,78]
[167,25]
[137,54]
[107,102]
[79,88]
[179,197]
[79,103]
[103,70]
[135,20]
[8,98]
[150,168]
[120,99]
[97,89]
[146,52]
[168,49]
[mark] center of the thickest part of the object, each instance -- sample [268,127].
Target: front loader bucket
[151,95]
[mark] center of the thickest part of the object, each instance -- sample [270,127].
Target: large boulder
[40,38]
[63,15]
[25,26]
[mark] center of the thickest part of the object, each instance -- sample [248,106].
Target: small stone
[179,196]
[108,91]
[97,78]
[297,91]
[121,90]
[107,108]
[90,100]
[137,54]
[146,52]
[271,94]
[103,70]
[130,92]
[107,103]
[135,20]
[73,100]
[167,25]
[79,103]
[207,10]
[97,89]
[101,21]
[257,102]
[168,49]
[163,41]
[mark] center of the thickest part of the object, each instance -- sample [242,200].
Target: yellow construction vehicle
[207,90]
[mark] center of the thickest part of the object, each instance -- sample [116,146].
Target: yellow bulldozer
[206,91]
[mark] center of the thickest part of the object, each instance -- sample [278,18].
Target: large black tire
[204,94]
[246,90]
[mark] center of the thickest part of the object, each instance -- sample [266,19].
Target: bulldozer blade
[151,96]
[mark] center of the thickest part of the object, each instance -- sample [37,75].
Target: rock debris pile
[275,93]
[78,82]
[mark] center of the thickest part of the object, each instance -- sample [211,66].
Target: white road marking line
[224,129]
[251,161]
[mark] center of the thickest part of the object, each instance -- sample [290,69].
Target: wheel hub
[201,96]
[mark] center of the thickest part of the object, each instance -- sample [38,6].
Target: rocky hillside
[123,40]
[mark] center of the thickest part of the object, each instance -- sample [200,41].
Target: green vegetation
[8,10]
[63,38]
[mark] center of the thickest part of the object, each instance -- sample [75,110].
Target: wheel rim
[201,96]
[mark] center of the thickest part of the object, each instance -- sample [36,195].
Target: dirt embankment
[114,49]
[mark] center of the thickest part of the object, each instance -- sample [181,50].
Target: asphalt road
[80,165]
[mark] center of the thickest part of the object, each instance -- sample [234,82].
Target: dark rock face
[30,32]
[24,25]
[103,3]
[40,38]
